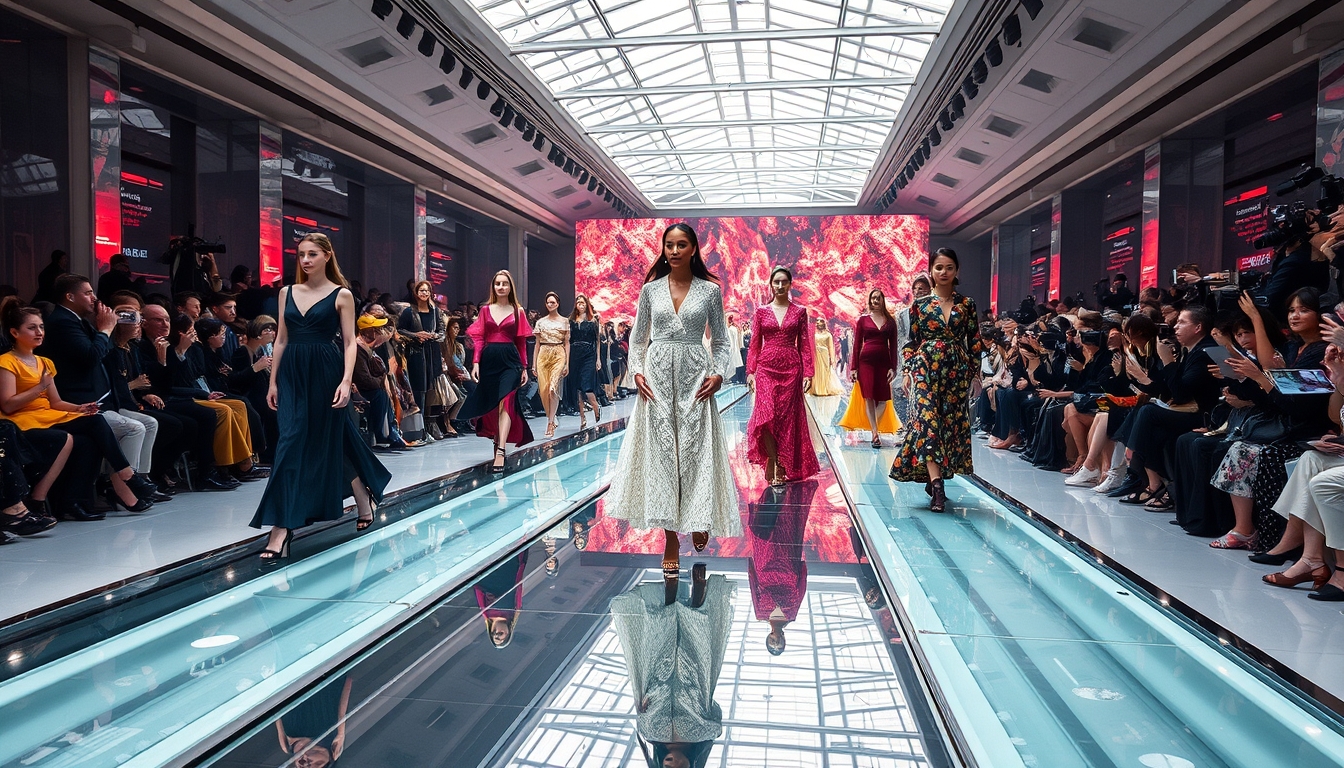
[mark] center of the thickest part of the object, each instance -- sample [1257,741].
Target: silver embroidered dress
[673,469]
[673,655]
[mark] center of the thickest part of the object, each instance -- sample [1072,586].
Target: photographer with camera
[191,265]
[1113,292]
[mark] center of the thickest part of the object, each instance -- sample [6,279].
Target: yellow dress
[824,381]
[856,417]
[38,413]
[550,353]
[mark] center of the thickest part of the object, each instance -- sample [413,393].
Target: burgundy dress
[781,356]
[874,351]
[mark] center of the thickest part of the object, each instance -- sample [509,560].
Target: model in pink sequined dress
[780,360]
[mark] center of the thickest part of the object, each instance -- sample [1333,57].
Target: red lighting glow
[109,97]
[1273,117]
[1249,194]
[1121,233]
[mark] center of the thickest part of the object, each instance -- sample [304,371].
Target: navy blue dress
[319,451]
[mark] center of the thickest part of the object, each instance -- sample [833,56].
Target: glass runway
[489,625]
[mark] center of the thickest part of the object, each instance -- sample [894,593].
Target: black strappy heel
[274,556]
[498,469]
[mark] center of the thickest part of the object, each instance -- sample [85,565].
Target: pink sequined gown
[781,356]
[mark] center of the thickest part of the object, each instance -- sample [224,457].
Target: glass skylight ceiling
[728,102]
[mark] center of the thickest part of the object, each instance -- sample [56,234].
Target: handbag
[437,395]
[1260,428]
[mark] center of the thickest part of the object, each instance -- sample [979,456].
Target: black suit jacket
[78,351]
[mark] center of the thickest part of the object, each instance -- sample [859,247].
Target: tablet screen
[1220,355]
[1301,381]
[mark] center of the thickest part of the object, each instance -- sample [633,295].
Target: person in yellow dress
[552,358]
[824,381]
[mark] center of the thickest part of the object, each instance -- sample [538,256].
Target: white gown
[673,469]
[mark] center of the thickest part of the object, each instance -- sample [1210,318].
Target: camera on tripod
[1289,223]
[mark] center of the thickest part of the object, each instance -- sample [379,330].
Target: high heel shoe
[938,502]
[700,540]
[114,501]
[500,456]
[699,584]
[1318,576]
[597,416]
[550,429]
[273,556]
[1268,558]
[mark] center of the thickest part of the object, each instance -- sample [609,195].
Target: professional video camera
[186,272]
[190,245]
[1288,223]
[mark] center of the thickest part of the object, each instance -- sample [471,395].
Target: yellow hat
[369,321]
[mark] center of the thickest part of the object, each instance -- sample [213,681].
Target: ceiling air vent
[437,95]
[583,205]
[483,134]
[1002,126]
[563,192]
[1037,80]
[927,201]
[970,156]
[1096,34]
[369,52]
[945,180]
[528,168]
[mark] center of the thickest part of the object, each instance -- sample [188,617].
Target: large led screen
[835,260]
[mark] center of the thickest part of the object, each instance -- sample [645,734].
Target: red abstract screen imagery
[835,260]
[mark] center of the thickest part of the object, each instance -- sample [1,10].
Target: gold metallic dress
[550,353]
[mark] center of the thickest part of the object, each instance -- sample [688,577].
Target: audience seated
[251,377]
[188,377]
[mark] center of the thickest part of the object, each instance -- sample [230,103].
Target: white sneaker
[1084,476]
[1113,480]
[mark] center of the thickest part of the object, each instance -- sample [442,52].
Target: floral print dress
[942,359]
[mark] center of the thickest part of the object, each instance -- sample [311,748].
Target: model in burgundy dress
[780,357]
[874,350]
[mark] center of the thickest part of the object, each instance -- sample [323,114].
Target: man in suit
[77,347]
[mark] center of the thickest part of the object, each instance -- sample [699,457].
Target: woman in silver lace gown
[673,655]
[673,470]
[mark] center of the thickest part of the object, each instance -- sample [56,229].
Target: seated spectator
[167,436]
[188,303]
[123,379]
[224,308]
[16,519]
[77,349]
[370,380]
[220,377]
[251,377]
[1067,413]
[29,397]
[1186,392]
[199,423]
[187,368]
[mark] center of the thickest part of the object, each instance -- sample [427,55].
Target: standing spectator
[421,328]
[118,278]
[46,279]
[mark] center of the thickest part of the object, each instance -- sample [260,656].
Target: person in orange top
[29,398]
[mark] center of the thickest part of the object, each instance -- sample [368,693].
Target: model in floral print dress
[940,360]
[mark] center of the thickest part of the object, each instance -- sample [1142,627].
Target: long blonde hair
[324,244]
[513,291]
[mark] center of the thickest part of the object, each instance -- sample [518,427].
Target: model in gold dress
[552,358]
[824,381]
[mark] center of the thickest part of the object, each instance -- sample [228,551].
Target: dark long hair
[661,268]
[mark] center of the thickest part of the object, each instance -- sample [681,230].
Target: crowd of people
[1206,404]
[129,393]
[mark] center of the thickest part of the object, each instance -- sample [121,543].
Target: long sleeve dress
[941,359]
[874,352]
[673,470]
[780,357]
[824,381]
[673,656]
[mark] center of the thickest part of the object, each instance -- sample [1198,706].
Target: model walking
[552,363]
[870,366]
[499,368]
[943,354]
[583,358]
[779,370]
[824,381]
[320,457]
[673,470]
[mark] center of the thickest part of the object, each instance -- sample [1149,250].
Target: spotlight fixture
[969,88]
[497,108]
[465,80]
[550,156]
[529,132]
[592,183]
[945,120]
[559,160]
[994,53]
[1033,8]
[482,90]
[958,106]
[427,43]
[507,118]
[539,141]
[406,25]
[521,124]
[1012,30]
[569,167]
[935,138]
[601,189]
[583,176]
[447,62]
[902,182]
[979,71]
[383,8]
[926,147]
[606,197]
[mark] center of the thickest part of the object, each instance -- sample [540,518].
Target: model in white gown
[673,470]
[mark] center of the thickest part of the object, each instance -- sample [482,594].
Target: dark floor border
[115,594]
[1329,704]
